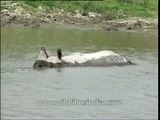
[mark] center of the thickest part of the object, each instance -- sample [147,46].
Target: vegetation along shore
[109,15]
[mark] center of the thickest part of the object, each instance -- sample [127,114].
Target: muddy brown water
[50,93]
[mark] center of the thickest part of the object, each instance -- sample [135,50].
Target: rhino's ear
[43,48]
[44,52]
[59,53]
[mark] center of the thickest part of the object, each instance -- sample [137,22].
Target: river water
[22,88]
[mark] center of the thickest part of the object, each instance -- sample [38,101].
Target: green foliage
[110,8]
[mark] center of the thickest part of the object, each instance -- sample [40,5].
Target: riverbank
[18,14]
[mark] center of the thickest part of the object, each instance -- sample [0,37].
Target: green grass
[111,9]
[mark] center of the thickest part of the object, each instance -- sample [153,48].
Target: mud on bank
[16,15]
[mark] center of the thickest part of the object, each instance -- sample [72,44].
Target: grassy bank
[109,8]
[137,14]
